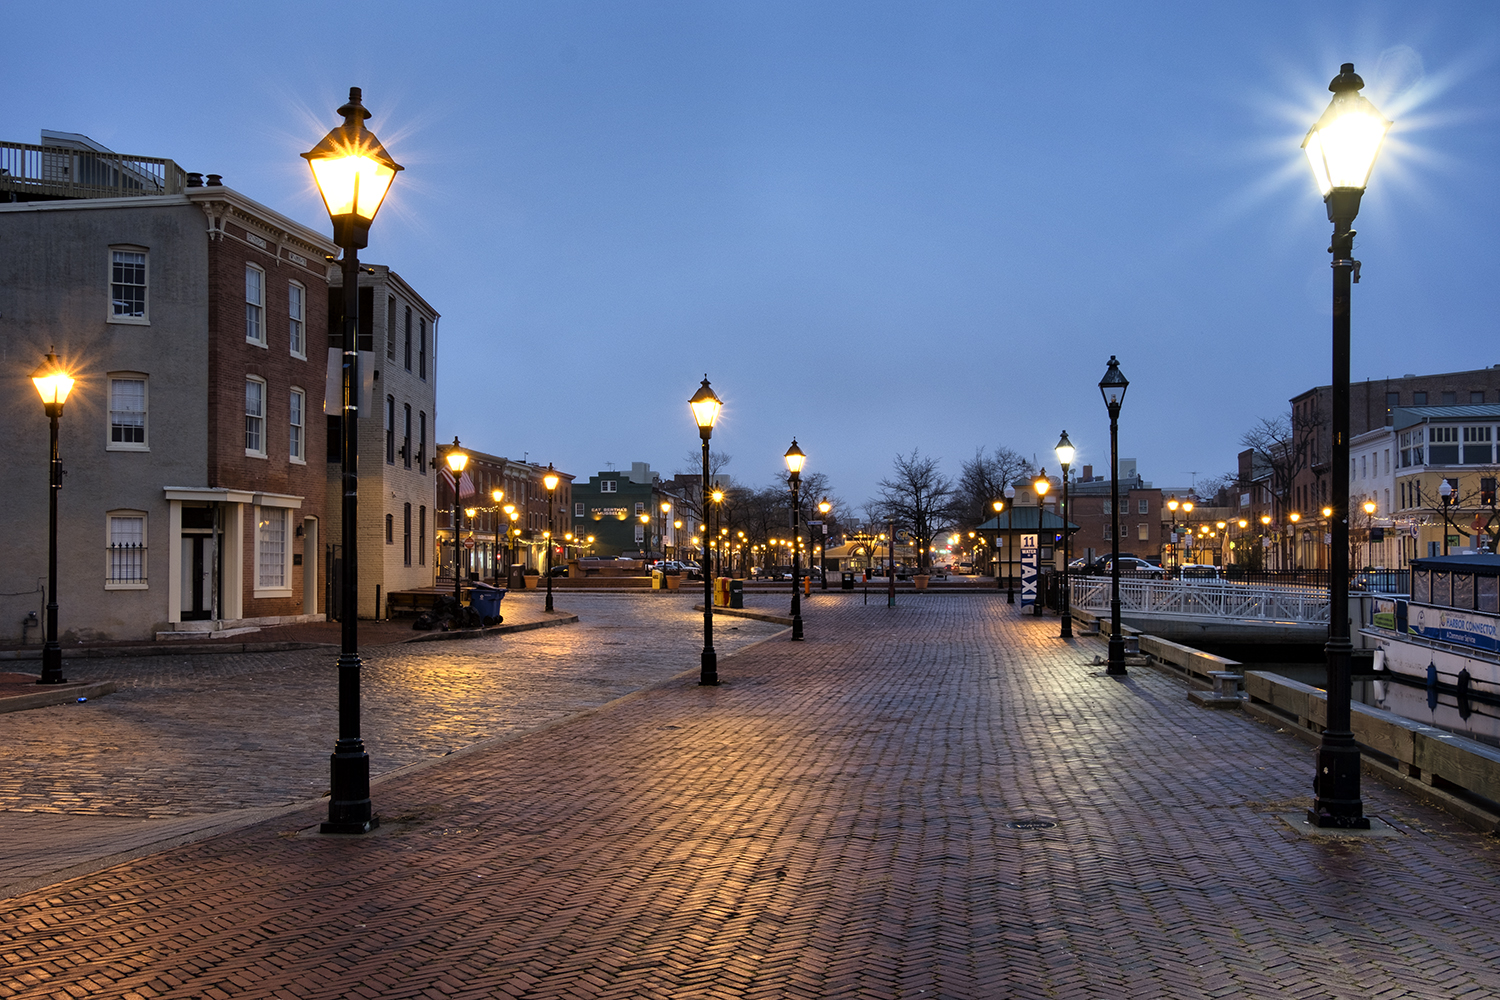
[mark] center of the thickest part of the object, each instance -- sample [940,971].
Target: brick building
[194,493]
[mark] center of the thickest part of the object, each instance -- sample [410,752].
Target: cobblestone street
[199,735]
[937,800]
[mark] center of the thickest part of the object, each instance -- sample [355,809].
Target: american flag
[465,484]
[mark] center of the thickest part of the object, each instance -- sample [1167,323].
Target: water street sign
[1028,570]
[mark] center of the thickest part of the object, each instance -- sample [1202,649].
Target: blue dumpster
[485,600]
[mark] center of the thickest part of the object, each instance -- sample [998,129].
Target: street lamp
[457,460]
[53,384]
[794,462]
[666,508]
[705,406]
[353,173]
[512,533]
[497,495]
[1173,504]
[1341,148]
[1041,485]
[1370,508]
[824,506]
[998,506]
[1112,387]
[1065,453]
[550,480]
[1010,548]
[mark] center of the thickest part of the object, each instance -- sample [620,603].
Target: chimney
[215,180]
[195,180]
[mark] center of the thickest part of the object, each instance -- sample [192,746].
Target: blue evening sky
[876,226]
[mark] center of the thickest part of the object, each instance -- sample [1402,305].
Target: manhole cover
[1031,824]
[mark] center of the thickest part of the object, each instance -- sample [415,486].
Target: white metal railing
[1254,602]
[59,172]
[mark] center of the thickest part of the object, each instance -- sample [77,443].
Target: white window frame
[260,418]
[578,510]
[255,309]
[296,310]
[1143,533]
[267,559]
[114,561]
[110,444]
[297,426]
[144,319]
[607,485]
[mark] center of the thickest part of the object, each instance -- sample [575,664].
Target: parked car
[1199,573]
[1132,566]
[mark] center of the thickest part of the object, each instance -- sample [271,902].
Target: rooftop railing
[41,172]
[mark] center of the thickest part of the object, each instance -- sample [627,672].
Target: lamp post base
[1337,780]
[349,808]
[797,627]
[52,665]
[1116,666]
[708,671]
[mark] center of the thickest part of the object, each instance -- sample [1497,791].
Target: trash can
[517,577]
[736,593]
[846,581]
[656,579]
[486,599]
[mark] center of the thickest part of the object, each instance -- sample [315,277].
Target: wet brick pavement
[835,821]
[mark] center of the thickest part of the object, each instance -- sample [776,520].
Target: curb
[759,616]
[56,694]
[480,633]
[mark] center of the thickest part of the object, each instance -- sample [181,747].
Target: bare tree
[1285,452]
[718,461]
[982,480]
[917,497]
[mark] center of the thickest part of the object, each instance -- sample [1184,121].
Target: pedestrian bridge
[1211,610]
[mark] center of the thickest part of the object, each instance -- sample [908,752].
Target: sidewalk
[937,800]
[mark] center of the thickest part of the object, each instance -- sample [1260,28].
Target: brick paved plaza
[834,821]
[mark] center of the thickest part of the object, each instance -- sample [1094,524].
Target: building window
[1478,449]
[578,510]
[406,434]
[1125,506]
[390,529]
[127,414]
[1442,445]
[640,533]
[125,557]
[255,417]
[407,350]
[406,535]
[1143,532]
[271,549]
[422,347]
[1419,399]
[127,286]
[390,328]
[422,442]
[255,305]
[1144,506]
[1476,398]
[640,508]
[390,430]
[297,319]
[297,410]
[607,485]
[422,535]
[1109,532]
[1450,399]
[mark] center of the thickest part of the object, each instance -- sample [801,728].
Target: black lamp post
[353,173]
[1341,148]
[705,406]
[824,506]
[550,480]
[1112,386]
[1041,484]
[1065,453]
[53,384]
[794,462]
[1446,500]
[457,460]
[998,505]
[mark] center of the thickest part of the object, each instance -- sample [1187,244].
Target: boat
[1446,635]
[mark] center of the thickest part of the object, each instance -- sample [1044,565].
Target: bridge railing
[1204,600]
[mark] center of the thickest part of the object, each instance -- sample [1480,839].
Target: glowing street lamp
[794,462]
[353,173]
[53,383]
[1041,484]
[824,506]
[550,480]
[706,406]
[1341,148]
[1065,455]
[458,461]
